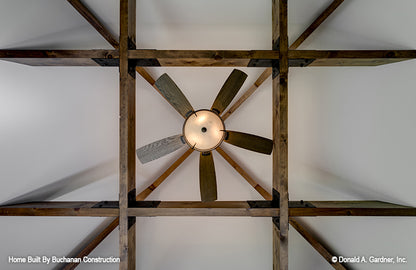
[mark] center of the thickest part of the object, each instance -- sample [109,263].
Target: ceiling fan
[203,130]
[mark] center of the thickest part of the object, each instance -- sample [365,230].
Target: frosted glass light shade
[204,130]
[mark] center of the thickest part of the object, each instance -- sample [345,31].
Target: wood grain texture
[92,19]
[218,55]
[104,54]
[127,189]
[57,57]
[54,62]
[317,245]
[280,138]
[353,57]
[173,95]
[249,142]
[58,209]
[207,58]
[145,74]
[316,23]
[221,208]
[351,54]
[207,178]
[266,195]
[342,62]
[202,62]
[159,148]
[242,208]
[228,91]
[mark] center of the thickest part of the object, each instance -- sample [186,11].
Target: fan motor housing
[204,130]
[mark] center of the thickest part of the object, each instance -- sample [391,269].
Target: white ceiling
[351,136]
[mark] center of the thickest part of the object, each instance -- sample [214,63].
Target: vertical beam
[280,137]
[127,239]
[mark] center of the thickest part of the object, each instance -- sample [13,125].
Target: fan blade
[159,148]
[174,95]
[250,142]
[229,90]
[207,179]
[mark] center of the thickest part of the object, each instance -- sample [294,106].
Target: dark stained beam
[104,54]
[92,19]
[267,208]
[58,209]
[265,58]
[280,139]
[316,23]
[203,57]
[127,189]
[218,208]
[59,57]
[353,57]
[316,244]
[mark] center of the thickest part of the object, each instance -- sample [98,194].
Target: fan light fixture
[204,130]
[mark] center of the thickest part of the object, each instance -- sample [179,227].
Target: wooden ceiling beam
[266,208]
[217,208]
[266,195]
[104,54]
[316,244]
[316,23]
[260,80]
[92,19]
[146,192]
[231,58]
[88,208]
[280,138]
[333,58]
[60,57]
[127,139]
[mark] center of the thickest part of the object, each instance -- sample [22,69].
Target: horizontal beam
[353,57]
[264,58]
[266,209]
[107,54]
[61,57]
[203,57]
[253,58]
[218,208]
[91,209]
